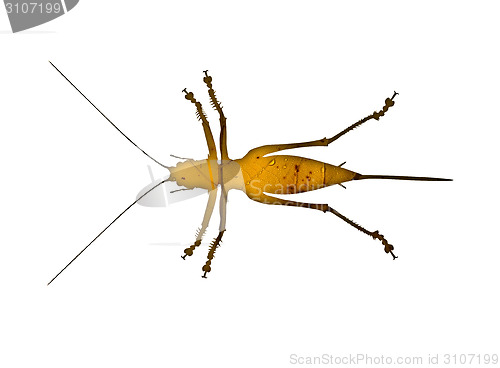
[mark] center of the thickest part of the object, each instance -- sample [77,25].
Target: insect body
[261,173]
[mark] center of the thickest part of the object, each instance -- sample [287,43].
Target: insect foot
[388,103]
[388,247]
[206,268]
[189,251]
[207,79]
[189,95]
[199,235]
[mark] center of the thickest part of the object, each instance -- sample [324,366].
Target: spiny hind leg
[200,114]
[222,118]
[212,196]
[264,150]
[388,248]
[266,199]
[222,228]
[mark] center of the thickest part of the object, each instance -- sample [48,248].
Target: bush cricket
[259,174]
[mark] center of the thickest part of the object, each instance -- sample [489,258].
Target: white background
[286,280]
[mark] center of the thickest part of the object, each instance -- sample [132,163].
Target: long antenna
[111,223]
[130,140]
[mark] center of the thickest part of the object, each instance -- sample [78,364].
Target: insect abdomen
[291,174]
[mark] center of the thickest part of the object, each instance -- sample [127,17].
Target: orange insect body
[279,174]
[290,174]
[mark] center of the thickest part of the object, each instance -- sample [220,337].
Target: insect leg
[222,228]
[376,115]
[266,199]
[264,150]
[212,196]
[200,114]
[216,105]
